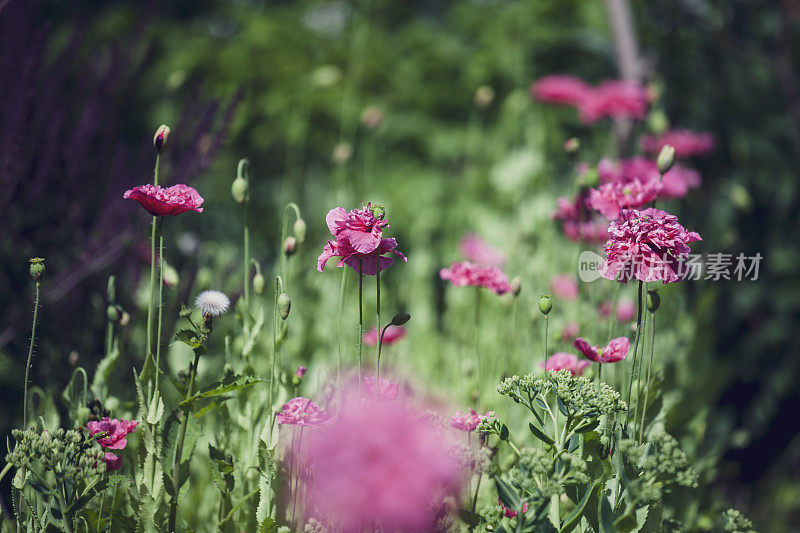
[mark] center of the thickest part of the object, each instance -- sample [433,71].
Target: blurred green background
[298,86]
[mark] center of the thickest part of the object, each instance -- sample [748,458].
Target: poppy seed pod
[239,190]
[162,139]
[36,268]
[666,158]
[300,230]
[653,300]
[545,304]
[284,305]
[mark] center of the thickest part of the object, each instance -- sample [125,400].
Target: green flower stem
[555,514]
[160,301]
[244,171]
[640,356]
[341,318]
[360,318]
[378,317]
[477,339]
[176,461]
[635,349]
[546,333]
[149,349]
[275,314]
[649,368]
[30,355]
[475,497]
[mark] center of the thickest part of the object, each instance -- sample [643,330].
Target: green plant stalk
[246,256]
[360,318]
[176,461]
[341,318]
[378,365]
[649,368]
[378,318]
[275,314]
[555,512]
[635,349]
[149,348]
[546,333]
[160,302]
[642,348]
[477,340]
[30,356]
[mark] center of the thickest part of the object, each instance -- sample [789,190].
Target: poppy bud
[185,312]
[379,212]
[36,267]
[162,139]
[239,189]
[258,283]
[301,371]
[400,318]
[657,121]
[342,153]
[113,313]
[545,304]
[300,230]
[171,278]
[284,305]
[289,246]
[653,300]
[516,286]
[666,158]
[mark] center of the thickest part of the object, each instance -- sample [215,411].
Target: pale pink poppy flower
[614,99]
[159,201]
[301,371]
[626,310]
[560,89]
[466,420]
[609,198]
[565,361]
[392,335]
[616,350]
[301,412]
[115,431]
[687,143]
[476,250]
[463,274]
[674,184]
[564,286]
[358,262]
[578,221]
[387,390]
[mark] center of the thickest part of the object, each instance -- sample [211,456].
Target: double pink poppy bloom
[463,274]
[170,201]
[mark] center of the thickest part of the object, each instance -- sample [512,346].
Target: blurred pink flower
[462,274]
[570,331]
[466,421]
[115,431]
[609,198]
[378,467]
[565,361]
[646,245]
[166,202]
[616,350]
[675,183]
[511,513]
[687,143]
[112,462]
[301,412]
[387,390]
[626,310]
[578,222]
[614,99]
[478,251]
[392,335]
[301,371]
[560,89]
[564,286]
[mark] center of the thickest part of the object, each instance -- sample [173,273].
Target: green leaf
[469,518]
[540,434]
[574,517]
[105,368]
[504,432]
[225,386]
[605,516]
[268,526]
[562,407]
[188,337]
[590,427]
[508,496]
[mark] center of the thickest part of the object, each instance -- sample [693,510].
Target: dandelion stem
[635,349]
[649,368]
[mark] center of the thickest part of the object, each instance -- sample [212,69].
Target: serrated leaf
[268,526]
[188,337]
[156,410]
[104,370]
[540,434]
[224,386]
[605,516]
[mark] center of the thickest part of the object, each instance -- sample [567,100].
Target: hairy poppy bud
[36,267]
[258,283]
[516,286]
[300,230]
[290,246]
[666,158]
[653,300]
[400,318]
[284,305]
[239,189]
[545,304]
[162,139]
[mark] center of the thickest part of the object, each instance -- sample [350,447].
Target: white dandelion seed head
[212,302]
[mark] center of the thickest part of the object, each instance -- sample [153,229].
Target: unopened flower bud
[653,300]
[258,283]
[185,312]
[516,286]
[666,158]
[239,189]
[300,230]
[301,371]
[113,313]
[379,212]
[124,319]
[484,96]
[284,305]
[162,139]
[400,318]
[572,145]
[545,304]
[290,246]
[227,369]
[36,267]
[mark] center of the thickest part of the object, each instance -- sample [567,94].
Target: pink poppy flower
[674,184]
[392,335]
[609,198]
[565,361]
[466,421]
[687,143]
[616,350]
[570,331]
[387,390]
[112,462]
[301,412]
[378,467]
[114,431]
[614,99]
[578,222]
[677,182]
[511,513]
[348,256]
[646,245]
[565,287]
[560,89]
[171,201]
[463,274]
[476,250]
[626,310]
[301,371]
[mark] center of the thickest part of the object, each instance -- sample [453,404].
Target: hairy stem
[635,349]
[649,369]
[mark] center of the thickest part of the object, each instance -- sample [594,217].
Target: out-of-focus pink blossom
[115,431]
[560,89]
[476,250]
[687,143]
[564,286]
[511,513]
[301,371]
[301,412]
[565,361]
[626,310]
[160,202]
[609,198]
[390,336]
[614,99]
[463,274]
[646,245]
[675,183]
[112,462]
[466,420]
[616,350]
[378,467]
[578,222]
[387,390]
[570,331]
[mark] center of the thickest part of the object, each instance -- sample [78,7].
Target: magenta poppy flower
[387,390]
[463,274]
[390,336]
[570,331]
[559,89]
[577,221]
[616,350]
[171,201]
[674,184]
[609,198]
[511,513]
[301,371]
[476,250]
[646,245]
[677,182]
[112,462]
[614,99]
[466,420]
[687,143]
[565,287]
[301,412]
[114,431]
[626,310]
[565,361]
